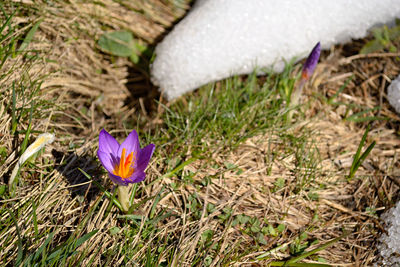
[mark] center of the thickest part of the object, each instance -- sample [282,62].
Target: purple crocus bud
[127,162]
[311,62]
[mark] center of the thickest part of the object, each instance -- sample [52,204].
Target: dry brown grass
[80,78]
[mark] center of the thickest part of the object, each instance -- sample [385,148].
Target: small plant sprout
[124,163]
[306,73]
[358,157]
[40,142]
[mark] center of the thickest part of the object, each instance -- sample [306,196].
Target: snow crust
[389,244]
[393,94]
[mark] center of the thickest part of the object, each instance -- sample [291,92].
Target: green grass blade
[133,194]
[153,207]
[140,203]
[106,193]
[364,155]
[29,36]
[332,98]
[19,242]
[295,264]
[13,110]
[7,22]
[67,249]
[357,116]
[358,160]
[54,256]
[322,247]
[365,119]
[34,218]
[84,238]
[360,145]
[269,252]
[28,131]
[43,246]
[169,174]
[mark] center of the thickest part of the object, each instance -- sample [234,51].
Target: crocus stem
[123,196]
[295,98]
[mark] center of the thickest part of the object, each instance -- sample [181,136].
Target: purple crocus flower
[127,162]
[311,62]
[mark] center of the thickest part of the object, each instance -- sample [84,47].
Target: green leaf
[2,189]
[243,219]
[394,32]
[378,34]
[365,154]
[331,99]
[359,116]
[156,200]
[171,173]
[83,239]
[68,250]
[43,246]
[272,231]
[280,228]
[392,49]
[207,235]
[20,253]
[13,111]
[255,228]
[372,46]
[229,165]
[106,193]
[133,194]
[261,239]
[313,196]
[296,264]
[210,208]
[271,251]
[28,131]
[118,43]
[29,36]
[134,58]
[322,247]
[357,159]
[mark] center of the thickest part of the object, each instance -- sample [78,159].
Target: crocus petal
[136,177]
[311,62]
[107,143]
[144,157]
[118,180]
[131,144]
[106,159]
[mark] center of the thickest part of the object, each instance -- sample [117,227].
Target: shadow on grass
[79,185]
[143,94]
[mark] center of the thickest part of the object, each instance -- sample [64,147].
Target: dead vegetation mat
[78,77]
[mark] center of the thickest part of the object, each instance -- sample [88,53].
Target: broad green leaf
[118,43]
[371,47]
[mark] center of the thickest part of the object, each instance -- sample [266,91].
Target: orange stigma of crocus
[304,75]
[125,167]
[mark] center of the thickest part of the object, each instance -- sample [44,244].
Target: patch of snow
[393,94]
[389,243]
